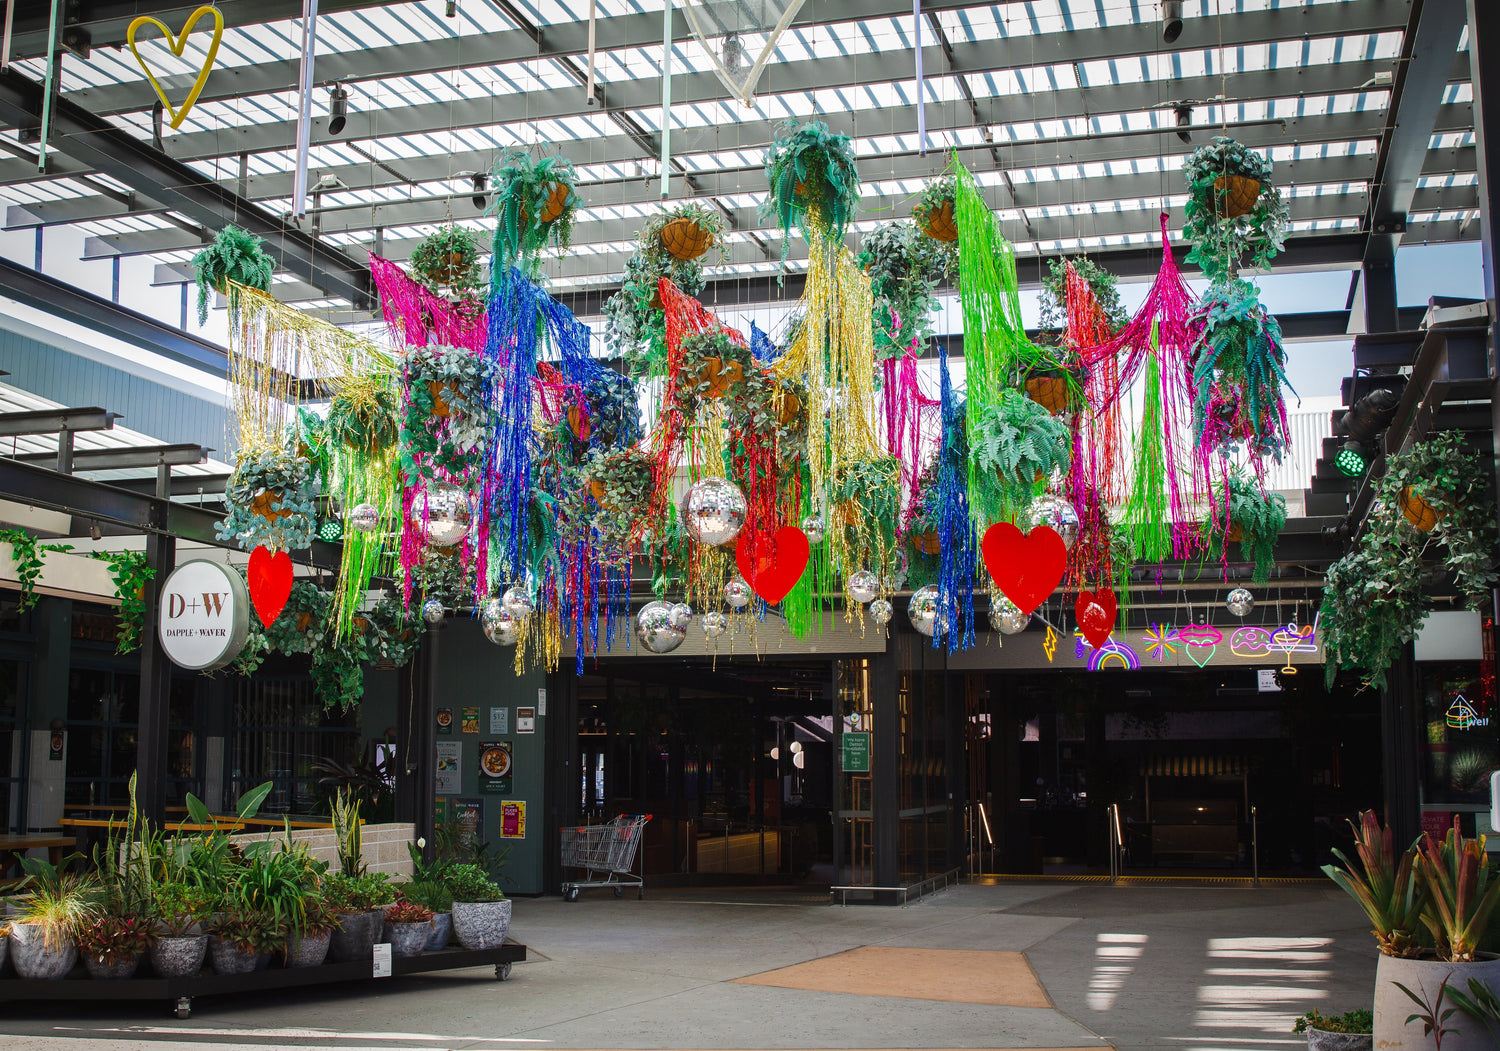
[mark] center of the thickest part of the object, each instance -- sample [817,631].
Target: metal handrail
[949,878]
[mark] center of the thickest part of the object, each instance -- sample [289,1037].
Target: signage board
[203,621]
[856,753]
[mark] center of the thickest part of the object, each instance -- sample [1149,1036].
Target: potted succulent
[233,255]
[933,213]
[1239,370]
[1254,519]
[56,907]
[813,180]
[447,410]
[269,499]
[434,896]
[112,946]
[411,927]
[1350,1031]
[905,271]
[180,944]
[481,912]
[686,231]
[535,201]
[1019,444]
[1234,214]
[447,261]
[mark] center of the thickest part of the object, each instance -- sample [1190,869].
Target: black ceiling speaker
[1171,20]
[338,109]
[481,182]
[1185,123]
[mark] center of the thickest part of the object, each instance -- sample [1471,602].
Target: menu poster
[512,819]
[468,821]
[495,773]
[471,721]
[499,720]
[449,781]
[525,720]
[445,720]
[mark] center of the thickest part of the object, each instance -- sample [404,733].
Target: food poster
[449,781]
[512,819]
[468,821]
[471,721]
[495,766]
[445,720]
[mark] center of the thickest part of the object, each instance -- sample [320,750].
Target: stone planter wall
[384,846]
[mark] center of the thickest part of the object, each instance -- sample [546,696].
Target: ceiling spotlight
[1370,415]
[94,532]
[480,182]
[452,9]
[1185,123]
[338,109]
[1351,460]
[734,55]
[1171,20]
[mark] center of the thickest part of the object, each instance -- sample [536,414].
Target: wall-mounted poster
[471,721]
[445,720]
[449,781]
[499,720]
[495,766]
[525,720]
[468,819]
[512,819]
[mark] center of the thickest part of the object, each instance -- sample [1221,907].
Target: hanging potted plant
[233,255]
[813,181]
[622,481]
[1054,385]
[447,261]
[905,271]
[1253,518]
[1239,370]
[303,622]
[535,202]
[269,498]
[1235,216]
[448,411]
[481,911]
[609,412]
[686,231]
[362,416]
[713,364]
[635,323]
[1053,301]
[1019,444]
[933,213]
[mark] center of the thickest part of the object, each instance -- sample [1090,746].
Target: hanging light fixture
[338,109]
[481,183]
[452,9]
[1171,20]
[1184,122]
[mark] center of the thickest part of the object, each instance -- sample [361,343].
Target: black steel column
[1400,724]
[885,764]
[156,682]
[404,762]
[956,712]
[424,754]
[562,804]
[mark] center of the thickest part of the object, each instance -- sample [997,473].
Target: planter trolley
[604,850]
[179,992]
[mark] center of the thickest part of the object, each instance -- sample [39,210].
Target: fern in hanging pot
[684,232]
[447,261]
[1239,369]
[362,416]
[905,271]
[448,410]
[535,202]
[1253,518]
[269,497]
[1017,445]
[233,255]
[814,184]
[933,212]
[1235,216]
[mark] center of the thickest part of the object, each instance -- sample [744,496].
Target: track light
[1171,20]
[1185,123]
[481,182]
[1370,415]
[338,109]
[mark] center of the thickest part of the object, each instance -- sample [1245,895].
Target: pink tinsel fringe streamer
[417,317]
[913,425]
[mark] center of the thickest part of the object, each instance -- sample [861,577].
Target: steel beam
[51,421]
[127,459]
[137,164]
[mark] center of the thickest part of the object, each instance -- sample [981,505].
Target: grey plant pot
[409,939]
[1317,1040]
[481,924]
[226,959]
[1425,977]
[308,951]
[178,957]
[123,967]
[4,953]
[355,938]
[33,959]
[442,930]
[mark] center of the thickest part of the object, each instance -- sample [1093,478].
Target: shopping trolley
[604,850]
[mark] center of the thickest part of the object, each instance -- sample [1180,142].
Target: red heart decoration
[772,563]
[1026,567]
[270,579]
[1096,615]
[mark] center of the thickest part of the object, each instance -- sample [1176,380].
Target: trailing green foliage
[131,574]
[269,497]
[635,325]
[1260,517]
[1054,297]
[1221,246]
[448,410]
[905,267]
[1358,1020]
[523,187]
[27,553]
[447,261]
[362,416]
[1239,369]
[813,181]
[233,255]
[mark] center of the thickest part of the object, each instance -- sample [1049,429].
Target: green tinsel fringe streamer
[1145,513]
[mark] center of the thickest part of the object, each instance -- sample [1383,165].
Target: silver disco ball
[447,513]
[653,627]
[502,629]
[813,526]
[737,593]
[863,585]
[1006,617]
[681,616]
[517,602]
[1240,602]
[713,511]
[881,610]
[1056,512]
[489,610]
[364,518]
[714,624]
[895,575]
[923,610]
[433,611]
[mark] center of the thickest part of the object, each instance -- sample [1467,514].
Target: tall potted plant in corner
[481,911]
[233,255]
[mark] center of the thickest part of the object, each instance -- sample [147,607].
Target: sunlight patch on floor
[1115,958]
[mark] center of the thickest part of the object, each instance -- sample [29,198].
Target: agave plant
[233,255]
[1462,892]
[1387,889]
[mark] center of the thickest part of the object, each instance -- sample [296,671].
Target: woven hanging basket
[788,407]
[685,239]
[1235,195]
[557,200]
[578,422]
[939,224]
[1050,392]
[1235,533]
[1419,512]
[720,375]
[440,406]
[261,505]
[929,543]
[451,269]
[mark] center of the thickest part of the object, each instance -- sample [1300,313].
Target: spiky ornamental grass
[905,267]
[233,255]
[523,187]
[813,181]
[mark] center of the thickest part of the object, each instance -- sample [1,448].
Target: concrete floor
[1136,968]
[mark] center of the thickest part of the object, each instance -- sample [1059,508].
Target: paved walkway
[1015,966]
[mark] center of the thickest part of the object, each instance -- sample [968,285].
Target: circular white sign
[204,617]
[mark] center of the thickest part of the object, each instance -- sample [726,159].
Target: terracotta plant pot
[557,200]
[929,543]
[481,924]
[32,958]
[410,939]
[1392,1007]
[1050,392]
[1235,195]
[939,224]
[308,950]
[685,239]
[598,492]
[178,957]
[439,392]
[1419,512]
[120,967]
[451,269]
[442,930]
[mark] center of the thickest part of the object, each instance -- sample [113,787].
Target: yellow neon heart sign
[177,43]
